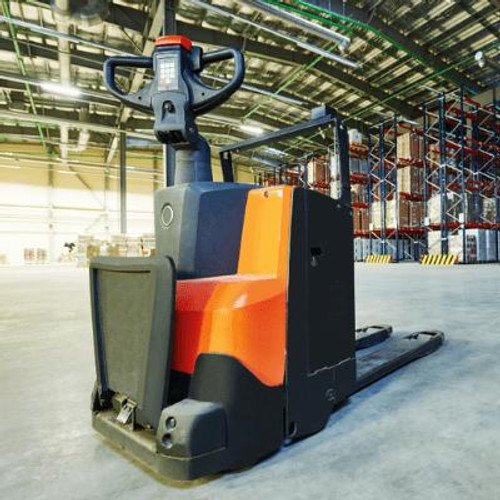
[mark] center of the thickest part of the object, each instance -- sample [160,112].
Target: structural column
[50,215]
[123,183]
[169,21]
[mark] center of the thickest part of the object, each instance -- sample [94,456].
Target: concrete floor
[430,431]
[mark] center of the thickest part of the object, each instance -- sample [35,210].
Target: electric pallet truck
[239,336]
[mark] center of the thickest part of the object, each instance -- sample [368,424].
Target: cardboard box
[355,136]
[359,193]
[481,245]
[417,213]
[453,208]
[318,170]
[410,146]
[376,215]
[360,219]
[489,210]
[434,242]
[402,217]
[411,180]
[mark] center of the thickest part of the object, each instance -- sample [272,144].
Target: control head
[176,95]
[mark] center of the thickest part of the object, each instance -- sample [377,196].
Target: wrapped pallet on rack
[148,245]
[87,247]
[318,174]
[358,175]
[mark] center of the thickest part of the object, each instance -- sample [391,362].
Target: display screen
[167,72]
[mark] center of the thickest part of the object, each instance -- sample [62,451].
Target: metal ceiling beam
[433,41]
[416,94]
[73,122]
[273,52]
[304,24]
[261,50]
[140,121]
[427,58]
[275,33]
[492,28]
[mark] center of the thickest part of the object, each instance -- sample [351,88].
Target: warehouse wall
[35,215]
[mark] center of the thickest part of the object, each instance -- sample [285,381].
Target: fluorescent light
[275,151]
[61,90]
[15,167]
[67,172]
[251,129]
[407,120]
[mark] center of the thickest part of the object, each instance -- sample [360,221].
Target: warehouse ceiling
[402,53]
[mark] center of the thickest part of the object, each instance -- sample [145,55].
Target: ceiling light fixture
[251,129]
[275,151]
[291,39]
[60,90]
[479,57]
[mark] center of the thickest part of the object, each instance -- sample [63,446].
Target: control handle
[140,100]
[206,98]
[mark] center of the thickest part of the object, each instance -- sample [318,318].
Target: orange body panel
[266,232]
[243,315]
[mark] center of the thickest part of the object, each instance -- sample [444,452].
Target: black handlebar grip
[110,77]
[214,97]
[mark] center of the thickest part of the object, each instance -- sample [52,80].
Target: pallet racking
[462,167]
[393,229]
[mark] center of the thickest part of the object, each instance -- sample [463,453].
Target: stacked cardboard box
[134,246]
[87,248]
[402,218]
[117,245]
[434,154]
[148,244]
[481,245]
[455,247]
[410,146]
[454,208]
[318,170]
[376,215]
[360,219]
[359,193]
[410,214]
[35,256]
[434,243]
[489,210]
[417,212]
[411,180]
[355,136]
[434,209]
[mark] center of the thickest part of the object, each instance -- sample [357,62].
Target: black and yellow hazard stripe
[378,259]
[439,260]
